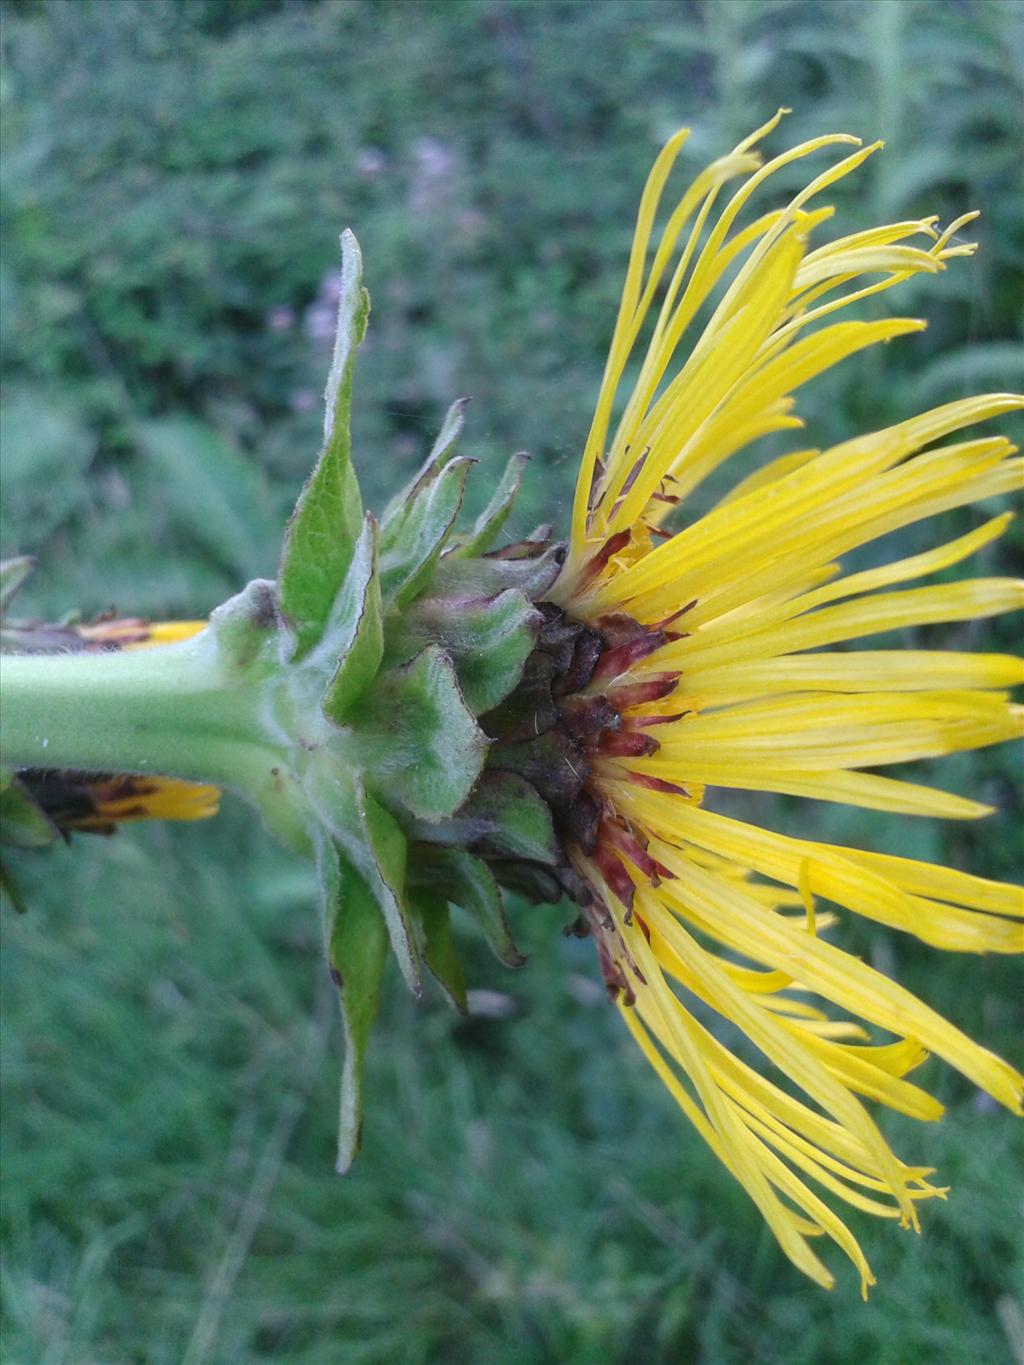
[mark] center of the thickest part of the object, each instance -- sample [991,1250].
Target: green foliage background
[177,172]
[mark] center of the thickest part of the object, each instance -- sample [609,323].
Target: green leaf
[469,883]
[410,551]
[451,428]
[323,530]
[356,944]
[354,632]
[418,739]
[372,842]
[490,521]
[214,491]
[439,951]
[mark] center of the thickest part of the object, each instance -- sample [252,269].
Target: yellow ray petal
[969,600]
[836,472]
[867,790]
[723,910]
[911,670]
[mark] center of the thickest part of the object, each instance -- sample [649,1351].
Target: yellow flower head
[427,716]
[717,670]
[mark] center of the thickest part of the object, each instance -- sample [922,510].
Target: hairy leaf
[327,519]
[354,632]
[410,553]
[419,740]
[356,944]
[372,842]
[488,639]
[439,950]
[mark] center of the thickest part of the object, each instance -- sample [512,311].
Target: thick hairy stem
[155,711]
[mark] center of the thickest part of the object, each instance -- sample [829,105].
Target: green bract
[402,636]
[355,702]
[407,636]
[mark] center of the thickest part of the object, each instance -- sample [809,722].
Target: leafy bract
[488,524]
[468,882]
[514,821]
[410,552]
[327,519]
[354,632]
[440,453]
[369,838]
[356,944]
[439,947]
[418,738]
[488,639]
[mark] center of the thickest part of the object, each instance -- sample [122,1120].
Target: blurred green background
[176,174]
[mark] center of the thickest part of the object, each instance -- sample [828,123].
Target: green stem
[168,711]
